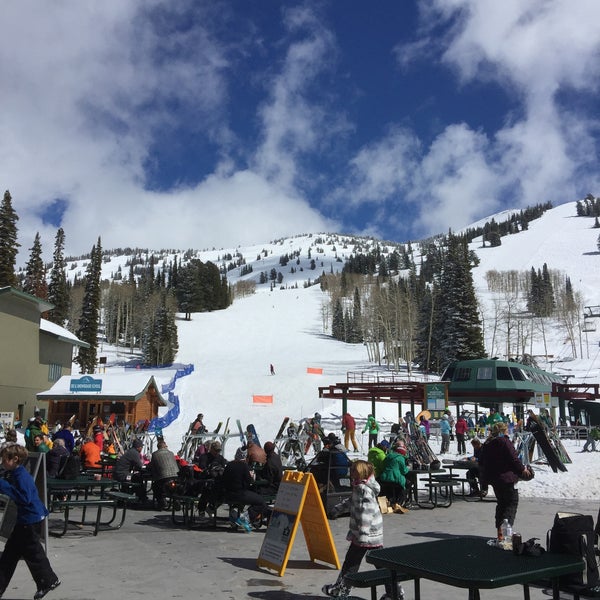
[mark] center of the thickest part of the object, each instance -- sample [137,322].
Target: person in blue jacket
[445,430]
[24,541]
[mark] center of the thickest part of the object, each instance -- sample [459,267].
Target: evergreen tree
[58,289]
[548,301]
[159,345]
[534,296]
[355,335]
[201,287]
[461,334]
[337,322]
[8,242]
[569,296]
[90,312]
[35,272]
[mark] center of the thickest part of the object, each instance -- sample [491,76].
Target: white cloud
[455,182]
[378,171]
[292,123]
[93,85]
[535,50]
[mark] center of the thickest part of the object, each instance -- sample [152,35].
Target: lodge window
[54,372]
[518,374]
[503,374]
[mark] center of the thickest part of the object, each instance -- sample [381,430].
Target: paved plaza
[151,558]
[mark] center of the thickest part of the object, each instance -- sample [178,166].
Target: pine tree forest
[430,316]
[410,306]
[136,311]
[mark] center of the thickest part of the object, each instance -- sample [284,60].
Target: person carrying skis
[315,434]
[373,426]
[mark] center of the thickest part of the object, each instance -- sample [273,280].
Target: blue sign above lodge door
[86,384]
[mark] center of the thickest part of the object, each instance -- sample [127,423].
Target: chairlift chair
[588,326]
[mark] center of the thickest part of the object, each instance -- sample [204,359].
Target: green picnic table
[471,563]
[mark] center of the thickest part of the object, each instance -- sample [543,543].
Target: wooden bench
[372,579]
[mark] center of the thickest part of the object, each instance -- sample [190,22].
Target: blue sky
[199,124]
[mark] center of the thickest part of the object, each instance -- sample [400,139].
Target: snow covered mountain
[289,319]
[285,325]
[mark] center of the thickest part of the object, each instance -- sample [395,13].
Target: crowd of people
[495,464]
[249,482]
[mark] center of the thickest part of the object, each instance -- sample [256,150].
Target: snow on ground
[231,351]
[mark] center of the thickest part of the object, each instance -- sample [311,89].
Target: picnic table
[83,493]
[430,488]
[83,484]
[471,563]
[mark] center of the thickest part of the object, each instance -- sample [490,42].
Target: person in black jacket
[237,484]
[271,472]
[56,457]
[501,468]
[129,467]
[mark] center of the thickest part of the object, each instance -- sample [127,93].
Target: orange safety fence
[314,371]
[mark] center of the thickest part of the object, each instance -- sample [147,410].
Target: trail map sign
[298,501]
[436,396]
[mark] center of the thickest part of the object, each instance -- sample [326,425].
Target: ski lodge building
[34,352]
[127,396]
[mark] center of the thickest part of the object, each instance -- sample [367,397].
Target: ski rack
[191,441]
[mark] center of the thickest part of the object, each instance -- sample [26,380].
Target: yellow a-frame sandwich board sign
[298,501]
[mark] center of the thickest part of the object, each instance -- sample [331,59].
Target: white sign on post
[7,420]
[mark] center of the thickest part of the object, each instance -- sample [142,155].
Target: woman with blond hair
[366,524]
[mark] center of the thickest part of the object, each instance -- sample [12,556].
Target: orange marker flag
[314,371]
[262,399]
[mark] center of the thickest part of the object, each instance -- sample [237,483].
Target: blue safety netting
[160,423]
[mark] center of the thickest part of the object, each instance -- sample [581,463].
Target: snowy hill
[231,350]
[567,244]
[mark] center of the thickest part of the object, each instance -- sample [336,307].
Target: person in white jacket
[365,528]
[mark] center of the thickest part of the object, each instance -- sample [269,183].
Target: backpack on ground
[573,533]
